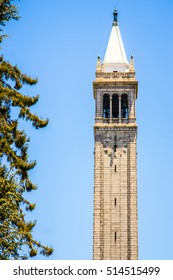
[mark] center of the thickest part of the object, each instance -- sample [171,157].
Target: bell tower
[115,235]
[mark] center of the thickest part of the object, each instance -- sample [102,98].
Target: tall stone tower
[115,133]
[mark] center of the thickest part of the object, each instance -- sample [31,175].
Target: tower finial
[115,16]
[132,65]
[98,67]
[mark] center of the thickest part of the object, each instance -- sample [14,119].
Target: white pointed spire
[115,58]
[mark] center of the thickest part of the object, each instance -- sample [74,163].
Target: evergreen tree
[16,239]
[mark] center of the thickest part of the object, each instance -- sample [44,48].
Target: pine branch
[15,231]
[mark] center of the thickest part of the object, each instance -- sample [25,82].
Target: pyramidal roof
[115,58]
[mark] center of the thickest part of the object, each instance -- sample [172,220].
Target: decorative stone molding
[115,75]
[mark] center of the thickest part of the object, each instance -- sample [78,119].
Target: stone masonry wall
[115,194]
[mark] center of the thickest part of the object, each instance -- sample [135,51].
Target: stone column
[110,108]
[101,106]
[119,108]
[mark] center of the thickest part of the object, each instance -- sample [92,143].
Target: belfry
[115,234]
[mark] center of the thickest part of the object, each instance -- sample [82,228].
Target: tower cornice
[120,126]
[115,83]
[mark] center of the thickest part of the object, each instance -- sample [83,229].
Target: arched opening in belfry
[124,106]
[115,106]
[106,106]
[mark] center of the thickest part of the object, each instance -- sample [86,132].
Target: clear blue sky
[59,41]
